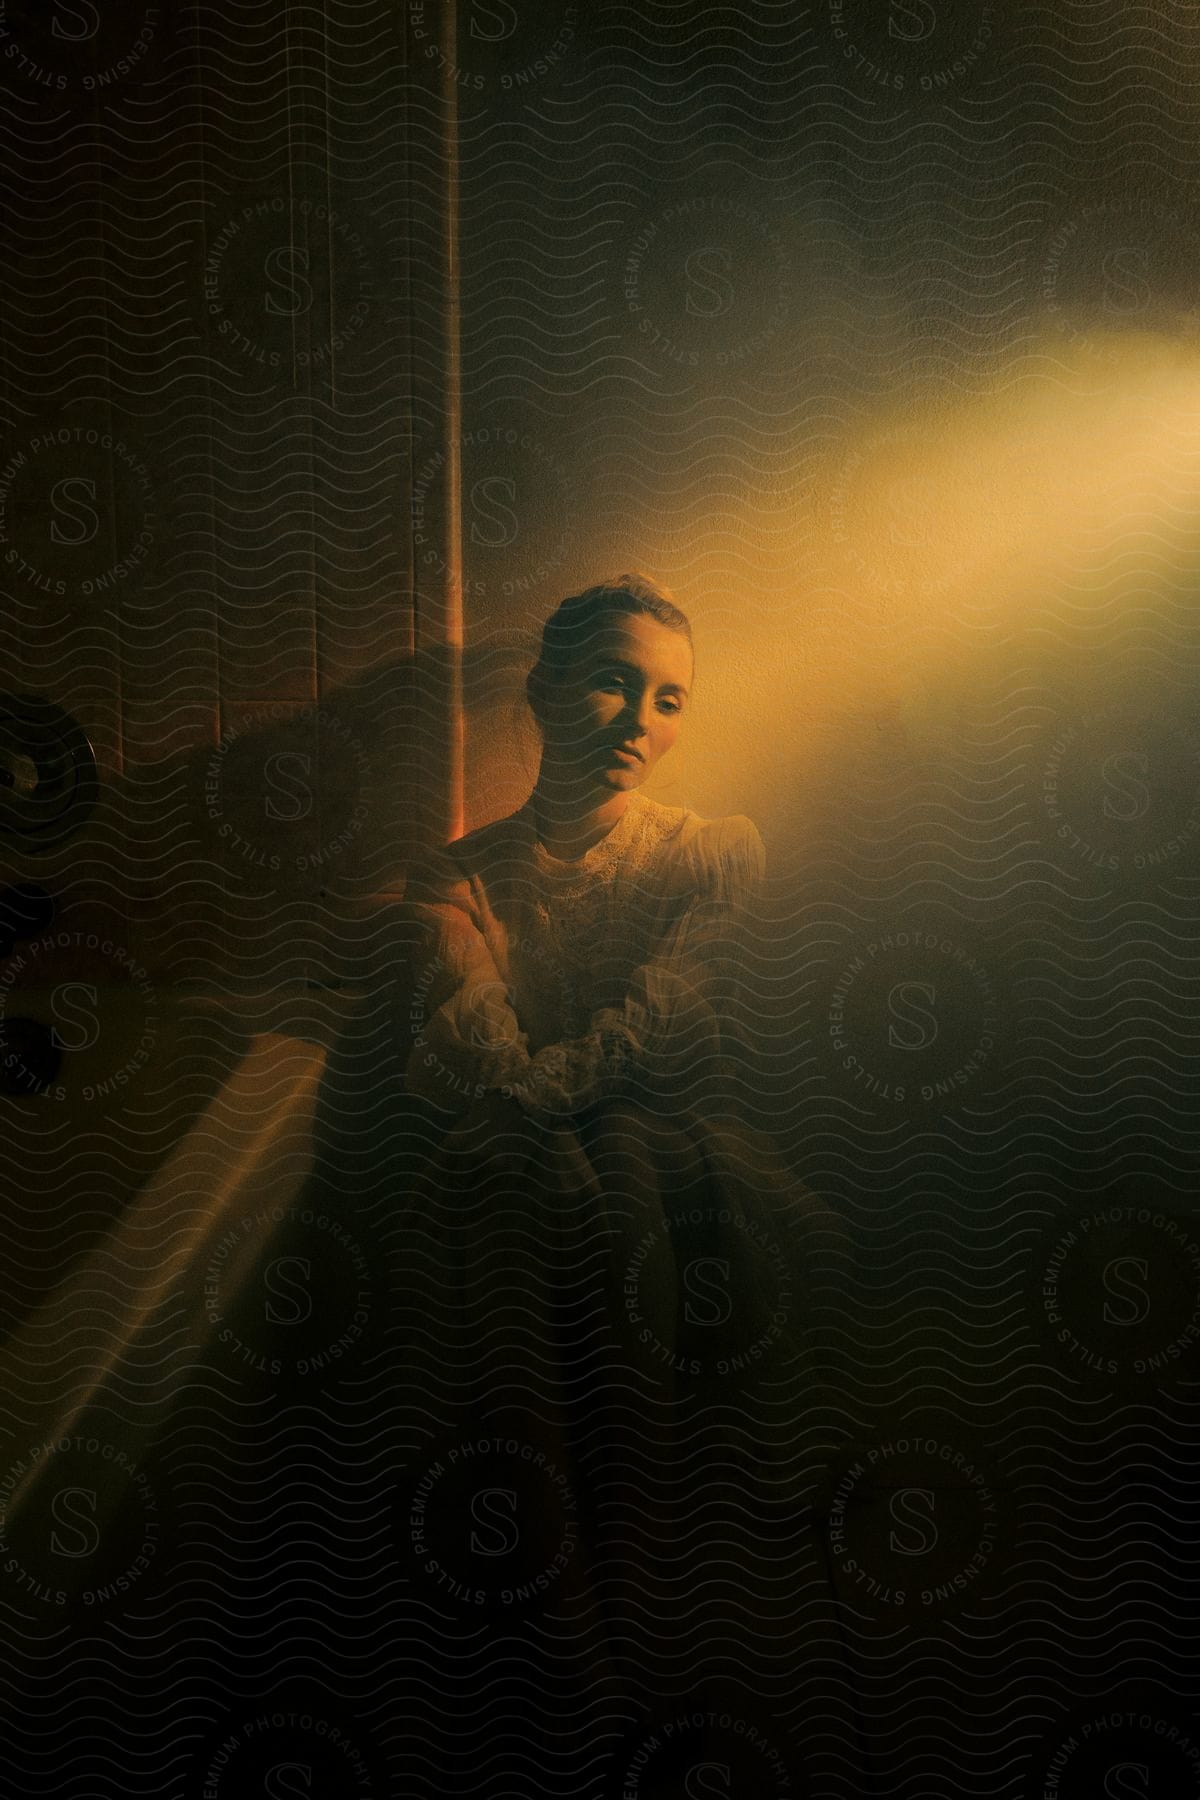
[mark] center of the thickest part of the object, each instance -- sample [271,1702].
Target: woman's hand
[661,1040]
[564,1078]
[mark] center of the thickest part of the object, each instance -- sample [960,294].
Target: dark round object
[30,1059]
[49,780]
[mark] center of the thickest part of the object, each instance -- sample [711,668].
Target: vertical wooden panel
[207,428]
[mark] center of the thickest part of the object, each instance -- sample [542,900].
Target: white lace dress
[620,1289]
[563,983]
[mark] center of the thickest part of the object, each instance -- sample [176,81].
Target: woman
[568,954]
[605,1256]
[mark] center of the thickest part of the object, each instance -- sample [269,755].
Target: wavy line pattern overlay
[871,327]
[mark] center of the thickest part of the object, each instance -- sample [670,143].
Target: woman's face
[621,709]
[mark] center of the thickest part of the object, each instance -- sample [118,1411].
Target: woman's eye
[668,706]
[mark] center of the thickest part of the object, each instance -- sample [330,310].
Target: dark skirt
[638,1296]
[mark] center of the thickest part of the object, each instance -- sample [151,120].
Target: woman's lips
[625,754]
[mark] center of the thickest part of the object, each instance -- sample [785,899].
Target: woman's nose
[641,715]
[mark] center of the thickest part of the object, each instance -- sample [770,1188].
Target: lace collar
[601,855]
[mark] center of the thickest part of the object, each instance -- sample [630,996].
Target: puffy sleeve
[458,1023]
[671,1028]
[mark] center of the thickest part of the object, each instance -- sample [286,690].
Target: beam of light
[254,1137]
[938,547]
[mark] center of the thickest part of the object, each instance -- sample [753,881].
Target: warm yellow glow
[878,597]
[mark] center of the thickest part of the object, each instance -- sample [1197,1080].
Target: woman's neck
[570,827]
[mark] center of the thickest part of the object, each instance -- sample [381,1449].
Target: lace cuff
[453,1073]
[663,1038]
[563,1078]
